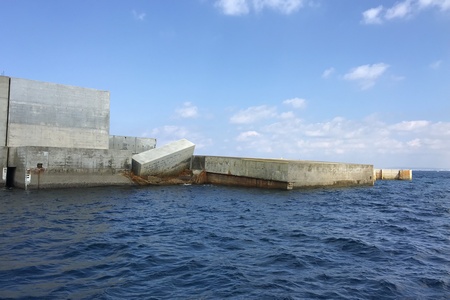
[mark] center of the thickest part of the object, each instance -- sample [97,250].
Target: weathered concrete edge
[392,174]
[280,173]
[50,167]
[168,160]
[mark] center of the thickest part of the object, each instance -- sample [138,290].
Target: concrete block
[405,175]
[134,144]
[168,160]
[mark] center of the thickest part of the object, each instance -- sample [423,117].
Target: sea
[389,241]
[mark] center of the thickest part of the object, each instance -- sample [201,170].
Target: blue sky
[350,81]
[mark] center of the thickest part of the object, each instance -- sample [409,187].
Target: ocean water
[390,241]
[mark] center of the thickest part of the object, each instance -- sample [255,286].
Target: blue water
[390,241]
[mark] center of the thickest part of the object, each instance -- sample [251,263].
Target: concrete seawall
[134,144]
[49,167]
[281,174]
[54,135]
[170,159]
[392,174]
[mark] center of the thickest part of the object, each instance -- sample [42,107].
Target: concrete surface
[167,160]
[317,174]
[276,170]
[392,174]
[4,100]
[56,115]
[134,144]
[51,167]
[279,173]
[3,162]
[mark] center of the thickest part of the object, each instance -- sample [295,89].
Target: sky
[344,81]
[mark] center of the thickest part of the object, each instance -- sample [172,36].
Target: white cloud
[414,143]
[328,72]
[401,10]
[372,15]
[171,130]
[404,143]
[287,115]
[441,4]
[296,103]
[244,136]
[340,139]
[233,7]
[440,130]
[397,78]
[436,64]
[410,125]
[284,6]
[243,7]
[253,114]
[187,111]
[170,133]
[366,75]
[140,16]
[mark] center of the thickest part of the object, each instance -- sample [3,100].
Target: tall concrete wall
[4,100]
[135,144]
[63,167]
[55,115]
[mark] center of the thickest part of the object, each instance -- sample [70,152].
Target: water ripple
[389,241]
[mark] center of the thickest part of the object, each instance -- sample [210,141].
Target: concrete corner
[168,160]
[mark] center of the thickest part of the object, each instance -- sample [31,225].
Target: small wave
[389,241]
[435,283]
[283,258]
[354,246]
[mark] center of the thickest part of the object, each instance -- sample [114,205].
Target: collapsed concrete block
[168,160]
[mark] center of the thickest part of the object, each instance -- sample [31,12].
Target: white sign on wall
[27,177]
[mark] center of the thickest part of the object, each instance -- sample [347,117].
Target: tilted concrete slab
[280,173]
[168,160]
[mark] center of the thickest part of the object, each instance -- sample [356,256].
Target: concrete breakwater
[280,173]
[249,172]
[264,173]
[392,174]
[54,135]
